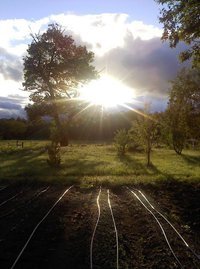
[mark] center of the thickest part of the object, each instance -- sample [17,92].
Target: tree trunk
[148,157]
[62,134]
[178,141]
[148,152]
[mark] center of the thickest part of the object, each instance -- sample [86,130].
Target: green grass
[93,163]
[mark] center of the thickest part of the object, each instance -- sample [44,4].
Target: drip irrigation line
[186,244]
[160,225]
[117,243]
[95,228]
[36,227]
[36,195]
[42,191]
[11,198]
[3,188]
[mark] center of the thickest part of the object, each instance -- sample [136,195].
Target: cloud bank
[128,50]
[12,106]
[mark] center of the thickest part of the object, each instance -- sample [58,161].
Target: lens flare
[107,92]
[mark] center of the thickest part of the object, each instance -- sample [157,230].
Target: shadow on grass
[133,164]
[191,159]
[30,166]
[81,167]
[155,170]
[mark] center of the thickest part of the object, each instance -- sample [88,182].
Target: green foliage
[164,130]
[121,140]
[35,111]
[13,128]
[53,68]
[145,131]
[184,107]
[181,22]
[178,141]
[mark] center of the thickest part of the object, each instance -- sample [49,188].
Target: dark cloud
[145,65]
[7,114]
[11,107]
[10,66]
[14,98]
[155,103]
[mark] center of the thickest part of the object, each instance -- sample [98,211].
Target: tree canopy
[53,69]
[184,107]
[181,22]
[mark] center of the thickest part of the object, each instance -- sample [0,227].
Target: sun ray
[82,110]
[138,111]
[107,92]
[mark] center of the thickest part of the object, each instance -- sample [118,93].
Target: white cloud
[127,45]
[9,86]
[103,31]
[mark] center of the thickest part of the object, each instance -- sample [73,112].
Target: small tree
[145,131]
[121,140]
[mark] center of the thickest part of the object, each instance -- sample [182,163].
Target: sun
[106,92]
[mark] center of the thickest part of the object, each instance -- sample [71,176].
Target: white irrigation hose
[42,191]
[186,244]
[163,231]
[117,243]
[36,227]
[3,188]
[35,195]
[11,198]
[92,240]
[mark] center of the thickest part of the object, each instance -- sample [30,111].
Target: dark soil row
[63,239]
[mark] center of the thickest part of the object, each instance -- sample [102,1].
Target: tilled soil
[63,239]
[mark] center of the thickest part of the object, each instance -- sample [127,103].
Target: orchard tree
[146,130]
[184,107]
[53,69]
[181,22]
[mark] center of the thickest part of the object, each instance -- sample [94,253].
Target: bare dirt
[63,239]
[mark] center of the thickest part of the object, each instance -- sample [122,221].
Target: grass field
[94,163]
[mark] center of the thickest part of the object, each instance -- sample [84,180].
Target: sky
[123,34]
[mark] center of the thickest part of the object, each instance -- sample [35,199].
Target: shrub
[121,140]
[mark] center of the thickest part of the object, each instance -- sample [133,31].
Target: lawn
[94,163]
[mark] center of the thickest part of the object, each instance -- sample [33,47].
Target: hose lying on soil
[160,225]
[92,240]
[116,233]
[180,236]
[36,227]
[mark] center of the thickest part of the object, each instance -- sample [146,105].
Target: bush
[121,140]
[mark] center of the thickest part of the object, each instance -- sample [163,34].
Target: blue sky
[145,10]
[123,34]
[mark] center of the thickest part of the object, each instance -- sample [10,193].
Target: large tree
[53,69]
[181,22]
[184,107]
